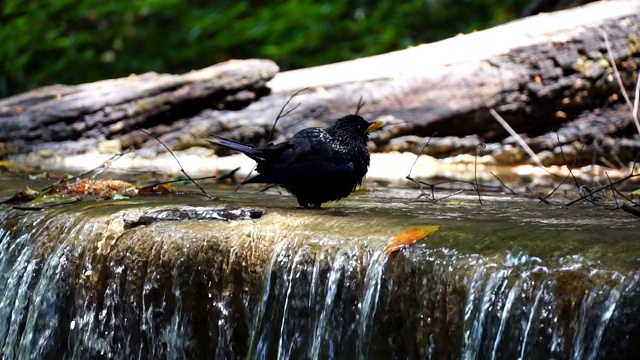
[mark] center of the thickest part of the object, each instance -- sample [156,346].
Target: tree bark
[73,118]
[550,77]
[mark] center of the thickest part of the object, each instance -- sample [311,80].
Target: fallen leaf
[161,189]
[23,196]
[409,237]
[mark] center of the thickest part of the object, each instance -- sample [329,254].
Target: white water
[318,300]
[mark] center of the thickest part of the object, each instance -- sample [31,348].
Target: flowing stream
[506,280]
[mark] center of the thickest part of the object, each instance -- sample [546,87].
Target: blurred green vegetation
[75,41]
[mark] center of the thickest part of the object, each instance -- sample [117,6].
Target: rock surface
[509,279]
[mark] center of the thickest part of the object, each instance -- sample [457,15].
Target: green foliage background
[75,41]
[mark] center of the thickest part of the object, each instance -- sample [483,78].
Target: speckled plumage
[316,165]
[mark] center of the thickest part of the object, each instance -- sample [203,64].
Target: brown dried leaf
[410,237]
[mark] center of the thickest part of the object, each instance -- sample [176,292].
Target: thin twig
[98,169]
[204,193]
[485,187]
[449,195]
[47,206]
[422,192]
[544,200]
[606,162]
[635,104]
[621,164]
[408,177]
[600,188]
[433,200]
[633,108]
[246,177]
[624,196]
[564,158]
[518,138]
[613,190]
[231,175]
[417,157]
[360,105]
[268,187]
[575,180]
[475,172]
[180,180]
[502,182]
[281,115]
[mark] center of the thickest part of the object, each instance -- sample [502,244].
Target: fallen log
[550,76]
[75,117]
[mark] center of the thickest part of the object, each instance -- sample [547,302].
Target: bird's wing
[309,158]
[312,146]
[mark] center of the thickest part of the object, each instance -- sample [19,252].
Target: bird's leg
[303,203]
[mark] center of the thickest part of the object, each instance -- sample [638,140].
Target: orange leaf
[410,237]
[161,189]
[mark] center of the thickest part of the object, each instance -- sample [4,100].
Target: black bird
[317,165]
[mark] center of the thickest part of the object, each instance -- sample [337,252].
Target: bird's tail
[248,150]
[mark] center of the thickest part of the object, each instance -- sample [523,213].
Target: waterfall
[75,286]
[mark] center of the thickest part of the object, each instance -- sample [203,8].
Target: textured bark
[549,76]
[78,116]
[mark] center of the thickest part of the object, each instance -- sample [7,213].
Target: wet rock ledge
[78,282]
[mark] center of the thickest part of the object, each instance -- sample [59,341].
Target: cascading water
[76,286]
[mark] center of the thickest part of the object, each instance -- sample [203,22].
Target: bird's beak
[376,124]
